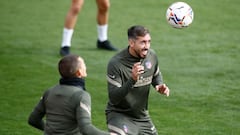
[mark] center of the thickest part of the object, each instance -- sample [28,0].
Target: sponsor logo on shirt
[143,81]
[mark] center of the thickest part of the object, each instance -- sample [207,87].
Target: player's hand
[163,89]
[111,133]
[137,70]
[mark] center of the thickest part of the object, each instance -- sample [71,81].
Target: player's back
[60,109]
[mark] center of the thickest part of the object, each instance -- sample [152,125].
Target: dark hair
[68,66]
[136,31]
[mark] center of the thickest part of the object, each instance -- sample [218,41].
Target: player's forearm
[36,122]
[116,94]
[157,80]
[85,125]
[89,129]
[35,118]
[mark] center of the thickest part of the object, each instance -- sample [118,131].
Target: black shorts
[125,125]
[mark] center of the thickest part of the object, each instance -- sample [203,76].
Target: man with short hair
[67,106]
[130,73]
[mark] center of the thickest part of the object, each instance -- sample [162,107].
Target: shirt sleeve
[157,76]
[36,117]
[83,115]
[117,90]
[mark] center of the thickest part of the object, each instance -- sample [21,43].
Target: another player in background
[130,74]
[67,105]
[102,25]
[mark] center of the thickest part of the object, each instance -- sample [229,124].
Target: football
[179,15]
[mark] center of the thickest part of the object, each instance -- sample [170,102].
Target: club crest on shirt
[148,64]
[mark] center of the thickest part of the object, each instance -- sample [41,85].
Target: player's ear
[131,42]
[79,73]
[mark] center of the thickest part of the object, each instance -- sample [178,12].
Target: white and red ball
[179,15]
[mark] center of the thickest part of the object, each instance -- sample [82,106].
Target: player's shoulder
[117,57]
[152,52]
[81,96]
[80,91]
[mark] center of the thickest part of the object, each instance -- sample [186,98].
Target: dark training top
[125,95]
[67,108]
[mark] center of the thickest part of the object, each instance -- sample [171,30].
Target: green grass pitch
[200,64]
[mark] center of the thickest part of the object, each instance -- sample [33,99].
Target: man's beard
[139,53]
